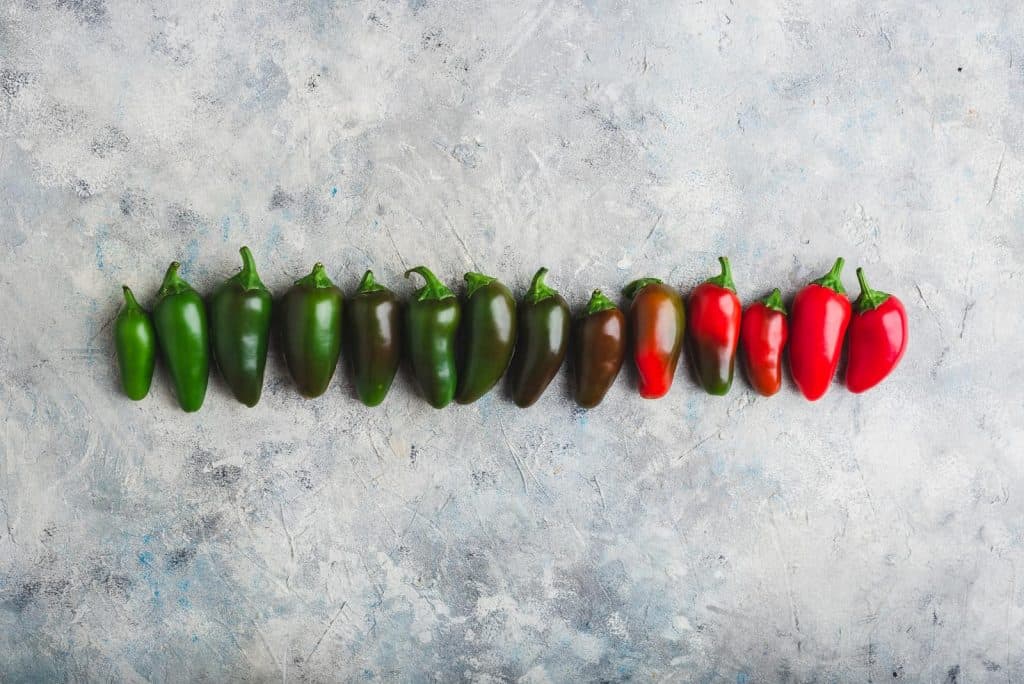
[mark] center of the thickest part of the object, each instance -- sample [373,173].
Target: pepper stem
[868,299]
[474,281]
[634,287]
[173,282]
[129,298]
[723,279]
[369,284]
[539,290]
[248,277]
[598,303]
[832,279]
[433,289]
[774,302]
[317,278]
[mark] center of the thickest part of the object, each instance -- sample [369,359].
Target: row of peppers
[460,349]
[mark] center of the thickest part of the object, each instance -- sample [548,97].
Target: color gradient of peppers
[544,324]
[135,340]
[179,317]
[432,324]
[763,336]
[311,314]
[821,313]
[878,337]
[374,338]
[240,330]
[599,347]
[488,336]
[657,321]
[714,331]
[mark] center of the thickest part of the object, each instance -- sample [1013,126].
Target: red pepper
[715,313]
[657,321]
[878,337]
[821,312]
[762,338]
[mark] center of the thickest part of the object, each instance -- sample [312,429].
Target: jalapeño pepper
[542,342]
[714,332]
[240,328]
[432,322]
[179,317]
[821,314]
[135,340]
[488,336]
[657,320]
[763,336]
[311,316]
[374,340]
[599,348]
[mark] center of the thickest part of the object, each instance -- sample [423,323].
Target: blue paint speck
[742,678]
[225,228]
[334,192]
[146,558]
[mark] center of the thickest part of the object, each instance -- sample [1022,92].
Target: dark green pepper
[599,348]
[179,317]
[135,340]
[374,339]
[311,318]
[240,328]
[543,339]
[432,322]
[488,336]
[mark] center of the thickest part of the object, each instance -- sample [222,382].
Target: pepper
[135,340]
[432,321]
[240,328]
[715,314]
[311,318]
[763,336]
[374,338]
[488,336]
[878,337]
[657,320]
[599,348]
[179,317]
[543,339]
[821,313]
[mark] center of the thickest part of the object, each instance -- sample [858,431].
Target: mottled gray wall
[735,539]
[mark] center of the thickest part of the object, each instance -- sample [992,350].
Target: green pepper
[599,349]
[311,318]
[488,336]
[374,317]
[543,339]
[179,317]
[135,340]
[432,323]
[240,328]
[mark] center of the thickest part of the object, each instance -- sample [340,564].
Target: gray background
[736,539]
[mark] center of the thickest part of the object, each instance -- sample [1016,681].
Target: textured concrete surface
[863,538]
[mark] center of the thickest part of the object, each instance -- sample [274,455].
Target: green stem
[634,287]
[173,283]
[539,290]
[598,303]
[832,279]
[723,279]
[248,278]
[434,288]
[317,278]
[369,284]
[474,281]
[774,302]
[129,298]
[868,299]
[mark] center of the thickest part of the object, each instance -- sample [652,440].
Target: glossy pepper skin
[763,336]
[179,317]
[374,337]
[715,314]
[432,325]
[488,336]
[240,330]
[135,340]
[543,339]
[878,337]
[821,313]
[311,320]
[599,348]
[657,320]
